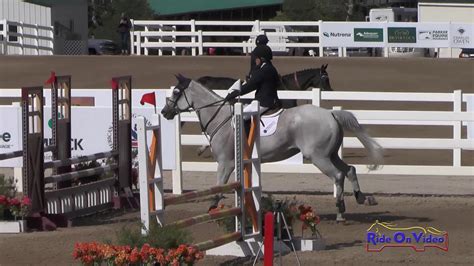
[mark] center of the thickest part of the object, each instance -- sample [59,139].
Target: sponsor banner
[397,34]
[91,132]
[352,34]
[462,35]
[10,133]
[432,35]
[401,34]
[368,35]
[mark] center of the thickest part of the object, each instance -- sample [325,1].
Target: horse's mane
[210,91]
[304,71]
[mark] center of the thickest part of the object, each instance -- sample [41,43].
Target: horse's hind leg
[350,172]
[352,176]
[331,170]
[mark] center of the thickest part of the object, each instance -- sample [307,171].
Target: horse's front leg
[224,170]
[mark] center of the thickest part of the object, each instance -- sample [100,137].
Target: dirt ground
[442,202]
[446,203]
[345,244]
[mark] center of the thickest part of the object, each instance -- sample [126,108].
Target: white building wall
[440,12]
[19,11]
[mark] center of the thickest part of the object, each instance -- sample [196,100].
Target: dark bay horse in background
[297,81]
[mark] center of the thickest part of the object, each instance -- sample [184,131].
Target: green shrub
[158,237]
[7,186]
[288,208]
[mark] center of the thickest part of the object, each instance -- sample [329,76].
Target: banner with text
[396,34]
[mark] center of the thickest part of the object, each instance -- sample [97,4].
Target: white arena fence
[179,37]
[457,119]
[454,118]
[199,35]
[25,39]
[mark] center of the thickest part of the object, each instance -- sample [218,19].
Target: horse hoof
[340,219]
[360,197]
[370,200]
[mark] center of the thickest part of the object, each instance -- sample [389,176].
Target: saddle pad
[269,124]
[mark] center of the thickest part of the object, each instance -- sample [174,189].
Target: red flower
[95,253]
[308,217]
[4,200]
[14,202]
[25,201]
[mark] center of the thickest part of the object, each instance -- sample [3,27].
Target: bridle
[295,75]
[191,108]
[323,77]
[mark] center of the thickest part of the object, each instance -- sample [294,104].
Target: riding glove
[232,95]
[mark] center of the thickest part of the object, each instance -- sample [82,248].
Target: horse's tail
[348,121]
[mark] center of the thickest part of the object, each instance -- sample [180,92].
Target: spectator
[124,31]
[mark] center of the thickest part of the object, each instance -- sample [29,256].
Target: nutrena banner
[352,34]
[396,34]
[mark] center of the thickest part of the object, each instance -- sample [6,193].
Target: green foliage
[288,208]
[7,186]
[158,237]
[313,10]
[84,166]
[104,17]
[281,16]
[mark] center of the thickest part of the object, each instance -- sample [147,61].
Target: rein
[296,81]
[198,109]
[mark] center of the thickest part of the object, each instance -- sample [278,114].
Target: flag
[148,98]
[51,79]
[114,84]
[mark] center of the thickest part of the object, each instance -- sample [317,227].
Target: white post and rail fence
[459,119]
[194,37]
[21,38]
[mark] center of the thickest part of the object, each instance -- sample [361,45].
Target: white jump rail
[31,39]
[153,201]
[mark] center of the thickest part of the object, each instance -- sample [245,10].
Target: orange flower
[134,256]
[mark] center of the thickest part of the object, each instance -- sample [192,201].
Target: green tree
[330,10]
[104,16]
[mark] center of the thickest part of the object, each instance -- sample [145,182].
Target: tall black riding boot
[247,124]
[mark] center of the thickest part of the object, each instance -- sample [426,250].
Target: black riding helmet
[263,52]
[261,39]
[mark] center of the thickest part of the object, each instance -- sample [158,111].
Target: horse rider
[264,80]
[261,40]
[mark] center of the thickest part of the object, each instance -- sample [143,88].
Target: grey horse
[316,132]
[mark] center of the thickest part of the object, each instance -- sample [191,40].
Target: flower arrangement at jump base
[309,218]
[96,254]
[18,208]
